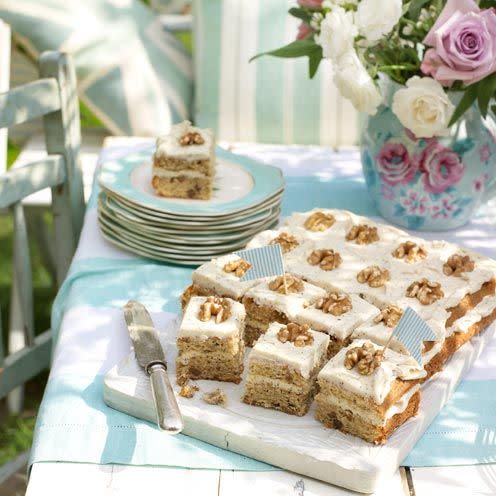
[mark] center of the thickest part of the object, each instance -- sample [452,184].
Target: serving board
[298,444]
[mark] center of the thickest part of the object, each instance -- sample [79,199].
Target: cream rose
[354,83]
[377,18]
[337,33]
[423,107]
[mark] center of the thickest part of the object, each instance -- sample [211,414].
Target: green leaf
[468,98]
[302,14]
[314,62]
[415,8]
[298,48]
[487,4]
[493,109]
[486,90]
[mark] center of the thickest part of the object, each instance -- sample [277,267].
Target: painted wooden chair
[54,97]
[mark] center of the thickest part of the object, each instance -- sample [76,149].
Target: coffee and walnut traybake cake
[184,163]
[351,279]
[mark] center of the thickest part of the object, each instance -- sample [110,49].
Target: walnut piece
[286,284]
[319,221]
[366,358]
[457,264]
[390,315]
[239,267]
[334,303]
[215,397]
[325,259]
[297,334]
[410,252]
[374,276]
[215,306]
[425,291]
[191,138]
[362,234]
[188,391]
[287,241]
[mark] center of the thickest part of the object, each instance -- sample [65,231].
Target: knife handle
[169,417]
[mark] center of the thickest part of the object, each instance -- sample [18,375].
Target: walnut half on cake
[184,163]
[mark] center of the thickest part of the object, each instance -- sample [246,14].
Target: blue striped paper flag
[412,330]
[265,261]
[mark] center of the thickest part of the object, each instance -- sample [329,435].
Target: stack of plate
[246,200]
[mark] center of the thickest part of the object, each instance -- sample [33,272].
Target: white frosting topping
[340,326]
[304,359]
[211,275]
[483,309]
[289,304]
[169,145]
[160,172]
[401,404]
[192,326]
[377,385]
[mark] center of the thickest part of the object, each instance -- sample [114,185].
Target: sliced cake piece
[283,368]
[220,277]
[210,340]
[184,163]
[336,314]
[279,299]
[368,394]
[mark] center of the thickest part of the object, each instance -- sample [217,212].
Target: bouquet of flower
[430,47]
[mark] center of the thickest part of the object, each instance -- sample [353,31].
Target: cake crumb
[215,397]
[188,391]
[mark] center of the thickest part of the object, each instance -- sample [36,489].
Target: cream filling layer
[483,309]
[367,415]
[160,172]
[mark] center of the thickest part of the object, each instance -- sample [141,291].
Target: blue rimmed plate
[240,184]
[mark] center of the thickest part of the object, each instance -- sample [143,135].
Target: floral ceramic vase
[429,184]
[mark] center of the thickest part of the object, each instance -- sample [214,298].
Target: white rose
[337,33]
[423,107]
[377,18]
[354,83]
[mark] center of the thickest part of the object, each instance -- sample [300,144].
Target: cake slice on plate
[210,340]
[184,163]
[367,393]
[283,368]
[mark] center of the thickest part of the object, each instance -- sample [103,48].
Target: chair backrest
[54,98]
[4,85]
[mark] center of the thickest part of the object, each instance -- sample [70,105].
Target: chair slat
[26,363]
[30,178]
[22,272]
[29,101]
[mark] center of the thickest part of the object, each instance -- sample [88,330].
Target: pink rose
[304,31]
[441,167]
[310,4]
[394,164]
[463,42]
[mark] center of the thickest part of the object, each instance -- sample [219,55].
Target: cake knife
[151,358]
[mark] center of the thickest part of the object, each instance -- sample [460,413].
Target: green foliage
[486,90]
[300,13]
[466,102]
[416,7]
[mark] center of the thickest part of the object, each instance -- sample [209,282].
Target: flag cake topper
[265,261]
[412,331]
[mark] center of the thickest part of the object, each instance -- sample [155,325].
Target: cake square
[283,367]
[210,340]
[336,314]
[220,277]
[269,302]
[367,394]
[184,163]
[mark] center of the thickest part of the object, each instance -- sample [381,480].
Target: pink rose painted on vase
[479,182]
[444,208]
[395,165]
[441,167]
[485,153]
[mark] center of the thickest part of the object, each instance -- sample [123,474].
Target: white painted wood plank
[83,479]
[473,480]
[287,483]
[4,85]
[74,479]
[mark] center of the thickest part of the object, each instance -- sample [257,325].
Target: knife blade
[150,356]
